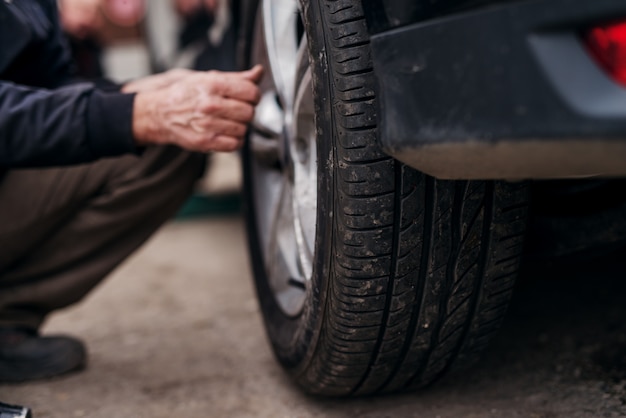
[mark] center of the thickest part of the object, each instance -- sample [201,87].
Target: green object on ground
[199,205]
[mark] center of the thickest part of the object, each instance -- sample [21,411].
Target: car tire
[410,276]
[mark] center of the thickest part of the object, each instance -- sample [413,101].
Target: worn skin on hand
[204,111]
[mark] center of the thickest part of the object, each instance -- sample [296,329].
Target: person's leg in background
[63,230]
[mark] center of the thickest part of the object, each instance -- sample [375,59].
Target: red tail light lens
[607,44]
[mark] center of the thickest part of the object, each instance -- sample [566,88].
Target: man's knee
[169,167]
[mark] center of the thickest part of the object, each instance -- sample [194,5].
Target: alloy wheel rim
[284,155]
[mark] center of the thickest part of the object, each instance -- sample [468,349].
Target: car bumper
[503,92]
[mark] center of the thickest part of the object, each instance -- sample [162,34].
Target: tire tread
[422,269]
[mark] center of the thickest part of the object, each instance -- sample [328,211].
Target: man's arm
[203,111]
[69,125]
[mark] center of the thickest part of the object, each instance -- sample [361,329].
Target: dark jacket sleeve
[45,120]
[69,125]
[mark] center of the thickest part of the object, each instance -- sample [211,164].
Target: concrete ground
[177,332]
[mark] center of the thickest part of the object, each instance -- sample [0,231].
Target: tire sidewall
[294,338]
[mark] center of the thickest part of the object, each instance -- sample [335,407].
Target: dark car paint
[383,15]
[507,91]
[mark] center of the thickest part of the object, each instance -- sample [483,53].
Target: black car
[389,170]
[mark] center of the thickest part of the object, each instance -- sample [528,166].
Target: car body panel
[506,91]
[383,15]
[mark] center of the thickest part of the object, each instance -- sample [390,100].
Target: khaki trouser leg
[62,230]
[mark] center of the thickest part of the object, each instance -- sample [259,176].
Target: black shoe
[25,356]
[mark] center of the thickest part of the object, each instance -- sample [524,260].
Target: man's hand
[157,81]
[205,111]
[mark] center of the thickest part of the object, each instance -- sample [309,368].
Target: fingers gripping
[226,108]
[203,111]
[236,85]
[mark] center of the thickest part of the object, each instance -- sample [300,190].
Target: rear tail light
[607,44]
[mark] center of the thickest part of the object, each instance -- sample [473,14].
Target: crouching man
[88,171]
